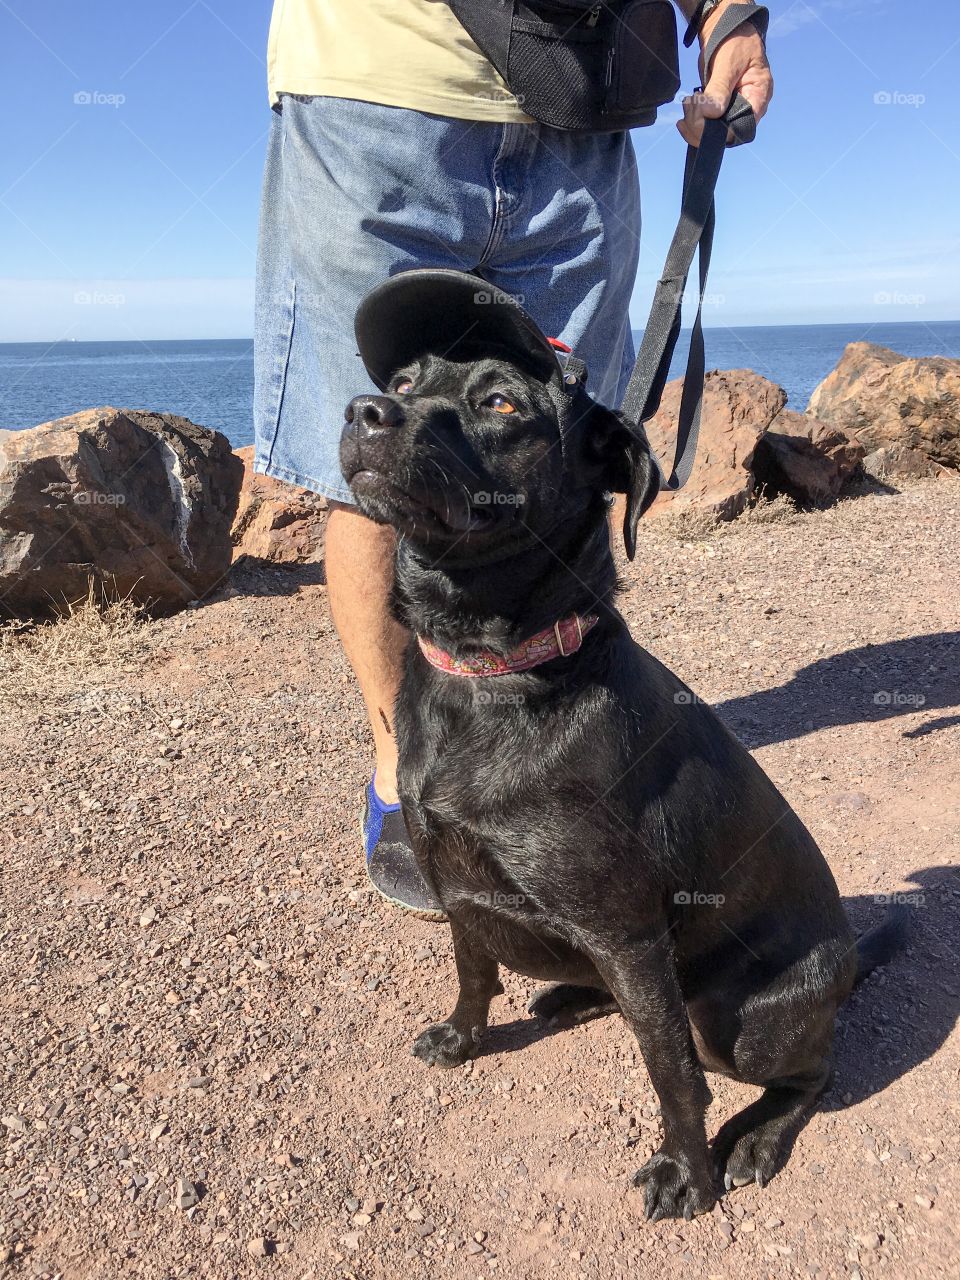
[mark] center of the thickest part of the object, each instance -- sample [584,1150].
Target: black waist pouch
[576,64]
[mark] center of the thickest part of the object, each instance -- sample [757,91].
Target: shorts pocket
[276,316]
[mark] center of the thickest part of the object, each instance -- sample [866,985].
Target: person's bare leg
[359,566]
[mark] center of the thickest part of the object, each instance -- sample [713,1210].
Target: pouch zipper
[608,82]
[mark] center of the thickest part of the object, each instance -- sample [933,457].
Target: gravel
[204,1054]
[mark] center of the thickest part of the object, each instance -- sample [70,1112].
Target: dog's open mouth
[434,511]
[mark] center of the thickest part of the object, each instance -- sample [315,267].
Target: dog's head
[479,439]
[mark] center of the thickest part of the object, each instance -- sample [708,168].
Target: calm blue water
[211,382]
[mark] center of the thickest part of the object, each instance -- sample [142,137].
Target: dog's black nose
[375,413]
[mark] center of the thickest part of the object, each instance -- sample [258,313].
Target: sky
[133,137]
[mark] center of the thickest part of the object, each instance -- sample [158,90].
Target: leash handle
[694,234]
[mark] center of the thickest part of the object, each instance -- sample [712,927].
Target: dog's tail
[881,944]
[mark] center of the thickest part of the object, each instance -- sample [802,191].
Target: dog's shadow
[894,1021]
[903,1013]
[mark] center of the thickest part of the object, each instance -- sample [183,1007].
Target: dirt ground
[207,1015]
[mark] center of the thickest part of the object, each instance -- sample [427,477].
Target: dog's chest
[497,898]
[466,810]
[464,855]
[478,800]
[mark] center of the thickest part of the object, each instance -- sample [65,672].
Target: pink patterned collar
[559,641]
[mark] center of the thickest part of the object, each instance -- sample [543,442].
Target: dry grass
[91,640]
[777,510]
[693,525]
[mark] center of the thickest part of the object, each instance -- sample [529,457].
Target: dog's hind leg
[571,1003]
[756,1142]
[787,1050]
[450,1043]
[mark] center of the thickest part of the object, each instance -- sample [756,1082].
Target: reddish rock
[805,458]
[276,521]
[738,407]
[904,411]
[140,504]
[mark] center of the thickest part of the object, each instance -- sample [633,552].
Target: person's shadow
[870,683]
[896,1019]
[253,576]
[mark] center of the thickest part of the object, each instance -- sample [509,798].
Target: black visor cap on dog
[434,311]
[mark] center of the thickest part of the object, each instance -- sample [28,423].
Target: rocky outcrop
[738,408]
[808,460]
[139,503]
[275,521]
[905,412]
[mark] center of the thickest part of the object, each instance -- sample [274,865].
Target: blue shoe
[391,863]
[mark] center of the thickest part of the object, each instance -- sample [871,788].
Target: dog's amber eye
[403,386]
[500,403]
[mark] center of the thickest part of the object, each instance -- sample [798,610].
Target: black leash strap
[694,232]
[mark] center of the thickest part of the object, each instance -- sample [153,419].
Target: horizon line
[797,324]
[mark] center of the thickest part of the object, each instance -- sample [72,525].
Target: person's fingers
[719,89]
[739,64]
[694,113]
[754,81]
[691,126]
[690,135]
[757,87]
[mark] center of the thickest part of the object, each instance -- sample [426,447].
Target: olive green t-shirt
[402,53]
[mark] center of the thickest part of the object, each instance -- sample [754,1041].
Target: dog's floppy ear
[628,467]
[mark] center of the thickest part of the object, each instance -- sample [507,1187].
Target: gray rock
[187,1194]
[130,502]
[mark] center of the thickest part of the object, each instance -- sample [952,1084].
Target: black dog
[588,820]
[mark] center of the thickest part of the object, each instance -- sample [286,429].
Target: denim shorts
[354,192]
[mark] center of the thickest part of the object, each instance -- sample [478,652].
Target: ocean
[211,381]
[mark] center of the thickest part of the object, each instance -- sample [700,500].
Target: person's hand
[739,66]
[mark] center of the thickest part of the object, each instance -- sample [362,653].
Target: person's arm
[739,66]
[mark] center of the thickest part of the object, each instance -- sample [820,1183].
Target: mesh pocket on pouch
[558,70]
[578,65]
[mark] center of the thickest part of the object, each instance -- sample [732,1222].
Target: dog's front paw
[743,1155]
[671,1190]
[444,1046]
